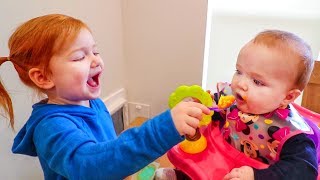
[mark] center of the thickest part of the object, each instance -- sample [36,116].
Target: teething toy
[198,142]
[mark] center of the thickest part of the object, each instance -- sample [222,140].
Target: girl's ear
[40,79]
[291,96]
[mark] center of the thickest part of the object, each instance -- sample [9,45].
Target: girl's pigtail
[5,100]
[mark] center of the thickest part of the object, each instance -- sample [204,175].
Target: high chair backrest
[313,120]
[310,97]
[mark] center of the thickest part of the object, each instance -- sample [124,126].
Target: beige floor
[163,160]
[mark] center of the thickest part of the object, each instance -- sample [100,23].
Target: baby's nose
[243,84]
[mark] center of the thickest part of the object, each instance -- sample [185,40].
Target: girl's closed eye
[78,58]
[95,50]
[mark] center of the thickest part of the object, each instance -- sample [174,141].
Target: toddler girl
[71,130]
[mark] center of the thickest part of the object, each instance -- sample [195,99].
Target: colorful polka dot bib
[261,137]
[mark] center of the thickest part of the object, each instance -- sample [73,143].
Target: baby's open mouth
[240,98]
[94,80]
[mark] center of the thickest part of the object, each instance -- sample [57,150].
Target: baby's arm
[298,160]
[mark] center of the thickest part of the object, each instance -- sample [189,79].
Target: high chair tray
[220,157]
[215,161]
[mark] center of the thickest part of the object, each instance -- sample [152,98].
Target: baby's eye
[257,82]
[238,72]
[96,53]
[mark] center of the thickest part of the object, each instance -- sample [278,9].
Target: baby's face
[263,78]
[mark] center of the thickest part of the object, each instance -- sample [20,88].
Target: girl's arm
[74,154]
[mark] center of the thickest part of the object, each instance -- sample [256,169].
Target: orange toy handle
[195,137]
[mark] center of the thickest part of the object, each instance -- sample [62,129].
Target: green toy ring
[194,91]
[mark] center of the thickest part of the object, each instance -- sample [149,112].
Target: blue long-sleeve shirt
[77,142]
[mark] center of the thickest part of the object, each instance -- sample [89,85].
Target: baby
[271,71]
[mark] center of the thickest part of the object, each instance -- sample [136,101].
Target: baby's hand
[186,116]
[242,173]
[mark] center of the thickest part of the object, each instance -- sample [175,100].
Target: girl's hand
[186,116]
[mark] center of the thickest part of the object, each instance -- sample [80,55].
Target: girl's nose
[96,61]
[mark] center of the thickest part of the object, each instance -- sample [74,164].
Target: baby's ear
[40,79]
[290,97]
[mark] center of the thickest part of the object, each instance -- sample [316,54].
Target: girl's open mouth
[94,80]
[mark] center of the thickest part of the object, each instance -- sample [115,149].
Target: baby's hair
[33,44]
[291,44]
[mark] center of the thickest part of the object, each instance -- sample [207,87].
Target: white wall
[275,8]
[104,18]
[235,24]
[164,44]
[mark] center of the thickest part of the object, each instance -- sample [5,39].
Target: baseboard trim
[118,100]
